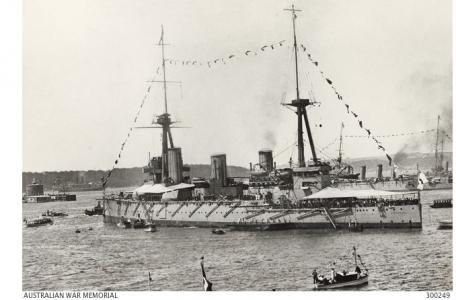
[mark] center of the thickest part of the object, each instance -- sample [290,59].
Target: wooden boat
[97,210]
[51,213]
[442,203]
[139,224]
[150,227]
[124,224]
[38,222]
[447,224]
[218,231]
[344,279]
[350,281]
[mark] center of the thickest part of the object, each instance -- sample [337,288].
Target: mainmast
[441,154]
[300,104]
[437,145]
[339,159]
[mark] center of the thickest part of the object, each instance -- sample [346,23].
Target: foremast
[159,167]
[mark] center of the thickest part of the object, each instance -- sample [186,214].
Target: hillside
[120,177]
[134,176]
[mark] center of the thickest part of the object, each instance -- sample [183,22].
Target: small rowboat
[139,224]
[97,210]
[51,213]
[38,222]
[218,231]
[124,224]
[447,224]
[150,228]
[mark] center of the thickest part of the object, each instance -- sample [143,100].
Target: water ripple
[108,258]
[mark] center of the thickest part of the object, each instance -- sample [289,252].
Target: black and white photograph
[265,145]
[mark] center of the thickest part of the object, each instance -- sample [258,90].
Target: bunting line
[106,178]
[393,134]
[347,106]
[330,144]
[227,58]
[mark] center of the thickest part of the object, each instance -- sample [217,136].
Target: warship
[270,198]
[439,178]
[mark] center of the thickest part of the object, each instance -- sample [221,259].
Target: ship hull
[245,217]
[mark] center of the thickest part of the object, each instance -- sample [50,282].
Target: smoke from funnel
[270,139]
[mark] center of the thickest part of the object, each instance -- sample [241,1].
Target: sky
[86,67]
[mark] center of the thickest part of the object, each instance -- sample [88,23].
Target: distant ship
[34,193]
[270,198]
[440,178]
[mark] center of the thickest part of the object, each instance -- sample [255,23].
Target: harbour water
[109,258]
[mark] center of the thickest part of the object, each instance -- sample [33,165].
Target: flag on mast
[207,285]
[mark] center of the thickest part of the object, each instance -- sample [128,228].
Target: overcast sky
[87,62]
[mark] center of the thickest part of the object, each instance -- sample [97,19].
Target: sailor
[315,276]
[358,271]
[333,275]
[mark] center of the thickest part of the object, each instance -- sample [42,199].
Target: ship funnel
[363,172]
[446,166]
[380,171]
[219,174]
[175,164]
[265,159]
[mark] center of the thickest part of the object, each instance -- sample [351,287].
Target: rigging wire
[105,179]
[285,149]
